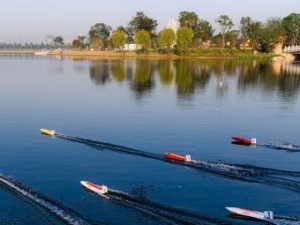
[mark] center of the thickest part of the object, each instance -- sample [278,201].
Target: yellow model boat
[47,132]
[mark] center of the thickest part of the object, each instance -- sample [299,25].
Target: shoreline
[135,55]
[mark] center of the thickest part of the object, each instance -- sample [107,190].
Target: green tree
[58,41]
[226,25]
[100,31]
[143,38]
[96,43]
[76,44]
[203,31]
[185,37]
[79,42]
[188,19]
[252,31]
[166,38]
[54,41]
[272,33]
[245,23]
[232,37]
[118,39]
[141,22]
[291,25]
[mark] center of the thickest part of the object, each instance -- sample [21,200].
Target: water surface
[188,107]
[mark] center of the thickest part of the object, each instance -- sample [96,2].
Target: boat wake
[282,146]
[165,213]
[279,178]
[41,201]
[286,221]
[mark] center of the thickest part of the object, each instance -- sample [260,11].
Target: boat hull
[247,213]
[101,190]
[175,157]
[47,132]
[242,141]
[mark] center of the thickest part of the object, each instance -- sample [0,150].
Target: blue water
[186,107]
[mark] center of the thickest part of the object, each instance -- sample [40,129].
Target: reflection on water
[191,76]
[100,71]
[143,77]
[272,78]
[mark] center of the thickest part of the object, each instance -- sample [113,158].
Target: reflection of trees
[184,80]
[142,81]
[222,67]
[118,70]
[99,71]
[166,72]
[200,75]
[191,75]
[262,76]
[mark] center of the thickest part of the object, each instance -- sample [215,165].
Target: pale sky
[31,20]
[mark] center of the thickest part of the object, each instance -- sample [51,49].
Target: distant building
[173,25]
[131,47]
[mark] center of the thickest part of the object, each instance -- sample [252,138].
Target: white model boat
[100,190]
[267,215]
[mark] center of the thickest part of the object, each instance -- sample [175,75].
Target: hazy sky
[32,20]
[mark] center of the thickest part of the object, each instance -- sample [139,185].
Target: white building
[131,47]
[173,25]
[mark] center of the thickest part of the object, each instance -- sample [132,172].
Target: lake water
[186,107]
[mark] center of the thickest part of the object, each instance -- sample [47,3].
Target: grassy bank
[213,53]
[113,54]
[229,53]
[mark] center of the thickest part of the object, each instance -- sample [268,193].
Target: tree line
[192,33]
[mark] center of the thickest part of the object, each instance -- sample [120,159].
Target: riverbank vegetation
[192,36]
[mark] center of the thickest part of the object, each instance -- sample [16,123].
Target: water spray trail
[65,214]
[235,171]
[285,221]
[166,213]
[282,146]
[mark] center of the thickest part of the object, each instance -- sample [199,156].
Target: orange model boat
[176,157]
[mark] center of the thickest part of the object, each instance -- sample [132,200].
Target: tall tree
[188,19]
[54,41]
[185,37]
[143,38]
[226,25]
[203,31]
[100,31]
[79,42]
[252,31]
[58,41]
[141,22]
[166,38]
[272,34]
[118,39]
[245,23]
[291,25]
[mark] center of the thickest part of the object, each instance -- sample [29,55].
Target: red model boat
[176,157]
[243,141]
